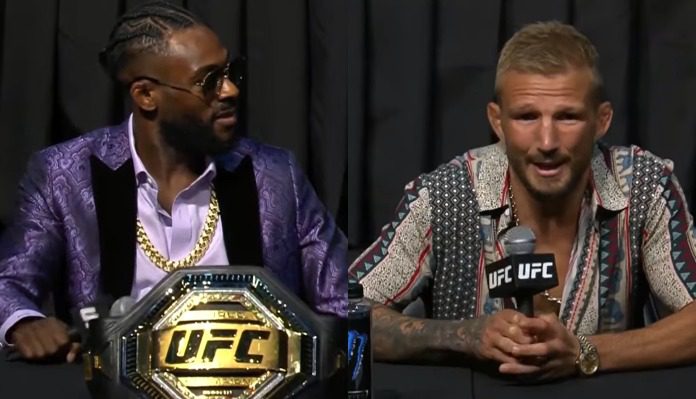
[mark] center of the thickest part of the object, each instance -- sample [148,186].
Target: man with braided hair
[172,186]
[614,217]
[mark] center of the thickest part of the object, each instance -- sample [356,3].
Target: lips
[546,169]
[226,114]
[226,118]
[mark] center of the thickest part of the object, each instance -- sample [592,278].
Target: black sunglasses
[210,86]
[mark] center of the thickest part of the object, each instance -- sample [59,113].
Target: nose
[228,89]
[548,136]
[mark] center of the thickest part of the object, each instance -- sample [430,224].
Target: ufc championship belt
[211,333]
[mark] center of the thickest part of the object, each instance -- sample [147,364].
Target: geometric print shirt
[600,292]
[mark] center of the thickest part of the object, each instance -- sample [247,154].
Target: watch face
[589,363]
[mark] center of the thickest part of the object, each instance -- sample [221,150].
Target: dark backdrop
[52,88]
[405,80]
[422,72]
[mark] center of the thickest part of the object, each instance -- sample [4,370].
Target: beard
[192,137]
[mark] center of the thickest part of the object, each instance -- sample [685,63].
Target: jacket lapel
[115,201]
[239,210]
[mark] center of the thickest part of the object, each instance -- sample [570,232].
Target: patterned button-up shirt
[598,289]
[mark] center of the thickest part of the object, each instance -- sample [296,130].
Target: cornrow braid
[144,29]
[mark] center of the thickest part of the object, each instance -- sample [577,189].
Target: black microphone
[522,274]
[96,319]
[93,319]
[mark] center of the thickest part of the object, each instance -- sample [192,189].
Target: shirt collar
[142,176]
[492,179]
[607,192]
[491,171]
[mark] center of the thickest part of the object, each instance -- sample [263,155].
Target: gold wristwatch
[588,358]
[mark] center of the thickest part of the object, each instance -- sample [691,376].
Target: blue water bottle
[359,344]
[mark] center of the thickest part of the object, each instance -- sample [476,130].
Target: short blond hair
[549,48]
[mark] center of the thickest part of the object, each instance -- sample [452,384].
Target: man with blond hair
[615,219]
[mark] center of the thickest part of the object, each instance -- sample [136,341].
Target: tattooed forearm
[468,335]
[398,337]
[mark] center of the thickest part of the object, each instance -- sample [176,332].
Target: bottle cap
[355,290]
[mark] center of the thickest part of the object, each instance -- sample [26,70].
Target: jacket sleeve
[32,245]
[323,249]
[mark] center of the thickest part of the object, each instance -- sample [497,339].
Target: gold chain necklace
[513,208]
[201,247]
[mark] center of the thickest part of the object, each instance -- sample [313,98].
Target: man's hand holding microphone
[539,347]
[44,339]
[47,339]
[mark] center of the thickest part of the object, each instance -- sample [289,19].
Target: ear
[141,91]
[493,112]
[605,112]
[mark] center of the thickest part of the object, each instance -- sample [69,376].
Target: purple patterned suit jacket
[76,224]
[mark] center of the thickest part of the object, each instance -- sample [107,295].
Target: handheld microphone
[96,319]
[522,274]
[93,319]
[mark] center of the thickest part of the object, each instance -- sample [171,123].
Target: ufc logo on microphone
[527,271]
[502,275]
[88,314]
